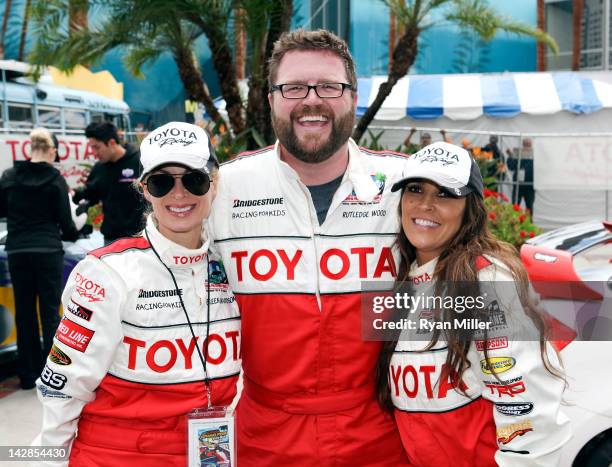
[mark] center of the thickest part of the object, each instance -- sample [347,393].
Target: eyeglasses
[300,91]
[160,184]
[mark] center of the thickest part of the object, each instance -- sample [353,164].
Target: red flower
[522,218]
[493,216]
[504,197]
[516,207]
[523,234]
[531,234]
[487,193]
[98,219]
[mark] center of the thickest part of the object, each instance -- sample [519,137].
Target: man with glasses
[300,226]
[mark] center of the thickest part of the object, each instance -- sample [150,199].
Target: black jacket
[112,184]
[34,199]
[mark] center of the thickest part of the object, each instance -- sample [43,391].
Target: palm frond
[404,12]
[477,15]
[137,57]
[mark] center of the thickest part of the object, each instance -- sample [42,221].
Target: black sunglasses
[160,184]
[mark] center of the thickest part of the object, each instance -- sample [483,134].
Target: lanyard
[204,357]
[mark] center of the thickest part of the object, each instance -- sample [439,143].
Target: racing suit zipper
[311,209]
[195,287]
[207,384]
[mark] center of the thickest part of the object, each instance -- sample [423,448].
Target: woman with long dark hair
[473,385]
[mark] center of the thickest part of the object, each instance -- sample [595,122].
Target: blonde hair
[40,139]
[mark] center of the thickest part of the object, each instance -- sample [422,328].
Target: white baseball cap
[177,143]
[449,166]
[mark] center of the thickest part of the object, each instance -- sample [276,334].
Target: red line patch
[73,335]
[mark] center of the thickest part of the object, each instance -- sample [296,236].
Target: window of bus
[49,117]
[75,119]
[122,123]
[97,117]
[20,116]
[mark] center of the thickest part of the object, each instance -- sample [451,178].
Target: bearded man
[300,225]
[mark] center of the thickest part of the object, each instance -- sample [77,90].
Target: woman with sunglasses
[151,330]
[470,385]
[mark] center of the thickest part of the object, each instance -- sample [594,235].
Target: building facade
[582,29]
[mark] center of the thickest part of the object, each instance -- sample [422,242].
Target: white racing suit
[308,395]
[124,369]
[511,421]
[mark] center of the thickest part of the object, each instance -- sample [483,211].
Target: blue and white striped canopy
[467,97]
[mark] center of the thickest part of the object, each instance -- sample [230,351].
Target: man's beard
[341,130]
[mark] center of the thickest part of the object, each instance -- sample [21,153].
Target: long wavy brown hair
[457,264]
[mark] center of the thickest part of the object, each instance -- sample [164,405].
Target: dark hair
[56,146]
[102,131]
[457,264]
[318,40]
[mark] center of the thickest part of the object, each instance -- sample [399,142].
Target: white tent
[567,115]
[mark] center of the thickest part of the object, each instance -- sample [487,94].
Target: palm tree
[239,43]
[415,17]
[264,22]
[24,29]
[7,13]
[577,33]
[392,33]
[212,18]
[280,22]
[78,14]
[177,37]
[541,21]
[145,33]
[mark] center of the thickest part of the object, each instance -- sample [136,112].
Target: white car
[571,269]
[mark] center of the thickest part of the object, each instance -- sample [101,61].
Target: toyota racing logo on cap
[441,155]
[172,136]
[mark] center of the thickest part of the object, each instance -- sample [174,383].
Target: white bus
[66,112]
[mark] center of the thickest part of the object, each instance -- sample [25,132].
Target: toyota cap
[177,143]
[449,166]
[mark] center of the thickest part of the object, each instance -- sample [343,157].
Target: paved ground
[21,416]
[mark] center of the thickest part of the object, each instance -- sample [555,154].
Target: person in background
[34,199]
[423,141]
[475,387]
[111,182]
[522,173]
[497,169]
[493,148]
